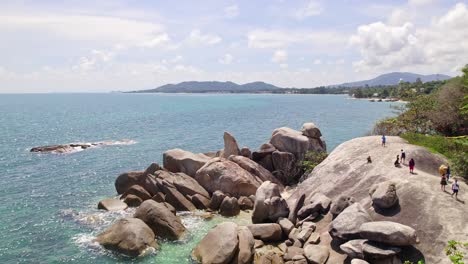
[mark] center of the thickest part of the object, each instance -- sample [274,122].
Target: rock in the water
[176,199]
[111,204]
[229,207]
[130,236]
[132,200]
[200,202]
[216,200]
[269,205]
[341,203]
[128,179]
[245,151]
[230,145]
[384,195]
[389,232]
[347,225]
[228,177]
[311,130]
[138,191]
[160,219]
[285,164]
[245,203]
[286,225]
[255,169]
[266,232]
[316,254]
[246,246]
[220,245]
[289,140]
[178,160]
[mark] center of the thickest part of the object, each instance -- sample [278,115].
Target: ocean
[48,201]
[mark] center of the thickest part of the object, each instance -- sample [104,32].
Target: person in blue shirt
[384,139]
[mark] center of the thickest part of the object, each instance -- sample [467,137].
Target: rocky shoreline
[79,146]
[303,224]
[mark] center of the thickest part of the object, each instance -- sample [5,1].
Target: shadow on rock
[412,254]
[394,210]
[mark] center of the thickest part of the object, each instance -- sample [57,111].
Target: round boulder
[111,204]
[389,232]
[229,207]
[219,245]
[384,195]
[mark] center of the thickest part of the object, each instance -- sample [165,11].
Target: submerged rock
[130,236]
[111,204]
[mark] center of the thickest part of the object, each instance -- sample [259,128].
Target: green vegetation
[410,262]
[436,117]
[311,160]
[456,251]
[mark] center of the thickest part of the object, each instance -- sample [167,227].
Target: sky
[121,45]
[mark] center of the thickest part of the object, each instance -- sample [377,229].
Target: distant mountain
[212,87]
[394,78]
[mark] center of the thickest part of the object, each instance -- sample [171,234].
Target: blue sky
[98,46]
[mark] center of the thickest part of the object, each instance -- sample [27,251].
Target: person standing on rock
[384,139]
[443,183]
[397,161]
[448,173]
[455,188]
[411,166]
[403,157]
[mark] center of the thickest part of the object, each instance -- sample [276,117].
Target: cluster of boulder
[226,181]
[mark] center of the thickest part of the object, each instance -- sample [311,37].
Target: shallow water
[48,210]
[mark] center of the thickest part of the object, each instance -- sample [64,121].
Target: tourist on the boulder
[455,188]
[403,157]
[397,161]
[369,160]
[384,139]
[411,165]
[443,182]
[448,173]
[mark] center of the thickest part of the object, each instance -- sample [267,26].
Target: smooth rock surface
[266,232]
[347,225]
[130,236]
[255,169]
[316,254]
[229,207]
[230,145]
[246,246]
[178,160]
[269,206]
[219,246]
[111,204]
[389,232]
[384,195]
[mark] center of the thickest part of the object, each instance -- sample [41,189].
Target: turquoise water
[48,201]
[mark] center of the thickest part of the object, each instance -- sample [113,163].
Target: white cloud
[156,41]
[283,65]
[231,11]
[197,38]
[313,8]
[434,48]
[87,63]
[279,56]
[273,39]
[226,59]
[420,2]
[317,62]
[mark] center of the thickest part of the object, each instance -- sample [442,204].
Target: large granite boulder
[177,199]
[353,248]
[266,232]
[246,246]
[132,200]
[200,201]
[228,177]
[245,152]
[130,236]
[384,195]
[185,184]
[229,207]
[264,151]
[295,206]
[245,203]
[347,225]
[289,140]
[216,200]
[230,145]
[389,232]
[269,205]
[311,130]
[284,164]
[255,169]
[160,219]
[219,246]
[365,249]
[316,254]
[138,191]
[125,180]
[341,203]
[319,204]
[111,204]
[178,160]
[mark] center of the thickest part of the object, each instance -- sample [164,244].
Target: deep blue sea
[48,201]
